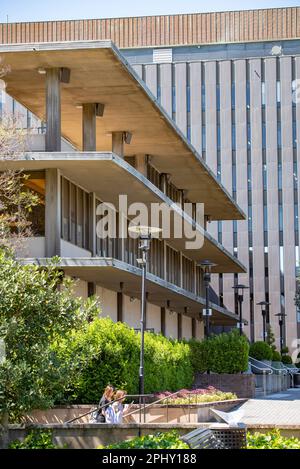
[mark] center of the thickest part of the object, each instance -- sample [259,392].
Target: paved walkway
[276,409]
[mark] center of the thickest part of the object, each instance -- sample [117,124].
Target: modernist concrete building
[229,82]
[87,93]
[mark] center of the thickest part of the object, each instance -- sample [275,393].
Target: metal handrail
[267,366]
[105,405]
[264,370]
[157,402]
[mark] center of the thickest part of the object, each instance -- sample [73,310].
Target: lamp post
[239,289]
[281,317]
[264,305]
[144,233]
[206,266]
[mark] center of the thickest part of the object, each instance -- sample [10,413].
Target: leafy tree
[16,199]
[271,337]
[36,308]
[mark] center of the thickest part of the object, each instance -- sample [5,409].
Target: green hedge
[261,351]
[108,352]
[223,353]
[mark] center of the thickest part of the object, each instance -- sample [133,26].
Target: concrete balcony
[108,175]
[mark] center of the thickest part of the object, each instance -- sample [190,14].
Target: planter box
[242,385]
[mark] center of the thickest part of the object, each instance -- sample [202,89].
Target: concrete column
[89,127]
[53,213]
[53,109]
[141,164]
[118,143]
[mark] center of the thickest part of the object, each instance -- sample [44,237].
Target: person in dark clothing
[99,415]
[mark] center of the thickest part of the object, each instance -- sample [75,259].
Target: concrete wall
[31,247]
[242,385]
[71,250]
[90,436]
[156,414]
[131,312]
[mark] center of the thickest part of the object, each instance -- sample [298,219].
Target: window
[248,135]
[203,138]
[264,135]
[75,207]
[294,134]
[218,137]
[188,99]
[278,92]
[279,135]
[248,95]
[233,137]
[218,98]
[263,93]
[233,96]
[203,100]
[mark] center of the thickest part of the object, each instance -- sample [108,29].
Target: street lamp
[239,290]
[264,305]
[144,233]
[281,322]
[206,266]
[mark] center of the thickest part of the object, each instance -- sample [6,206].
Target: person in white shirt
[119,409]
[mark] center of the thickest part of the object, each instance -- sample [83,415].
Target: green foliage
[271,440]
[261,351]
[287,360]
[36,439]
[224,353]
[33,313]
[168,440]
[276,357]
[107,352]
[271,338]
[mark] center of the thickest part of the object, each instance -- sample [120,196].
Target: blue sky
[35,10]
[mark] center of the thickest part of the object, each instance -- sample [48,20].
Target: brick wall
[242,385]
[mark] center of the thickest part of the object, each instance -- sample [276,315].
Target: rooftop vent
[162,56]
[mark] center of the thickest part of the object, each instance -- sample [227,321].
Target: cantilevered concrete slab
[108,175]
[109,272]
[99,74]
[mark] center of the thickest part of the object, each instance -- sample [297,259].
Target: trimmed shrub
[261,351]
[287,360]
[169,440]
[107,352]
[276,357]
[224,353]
